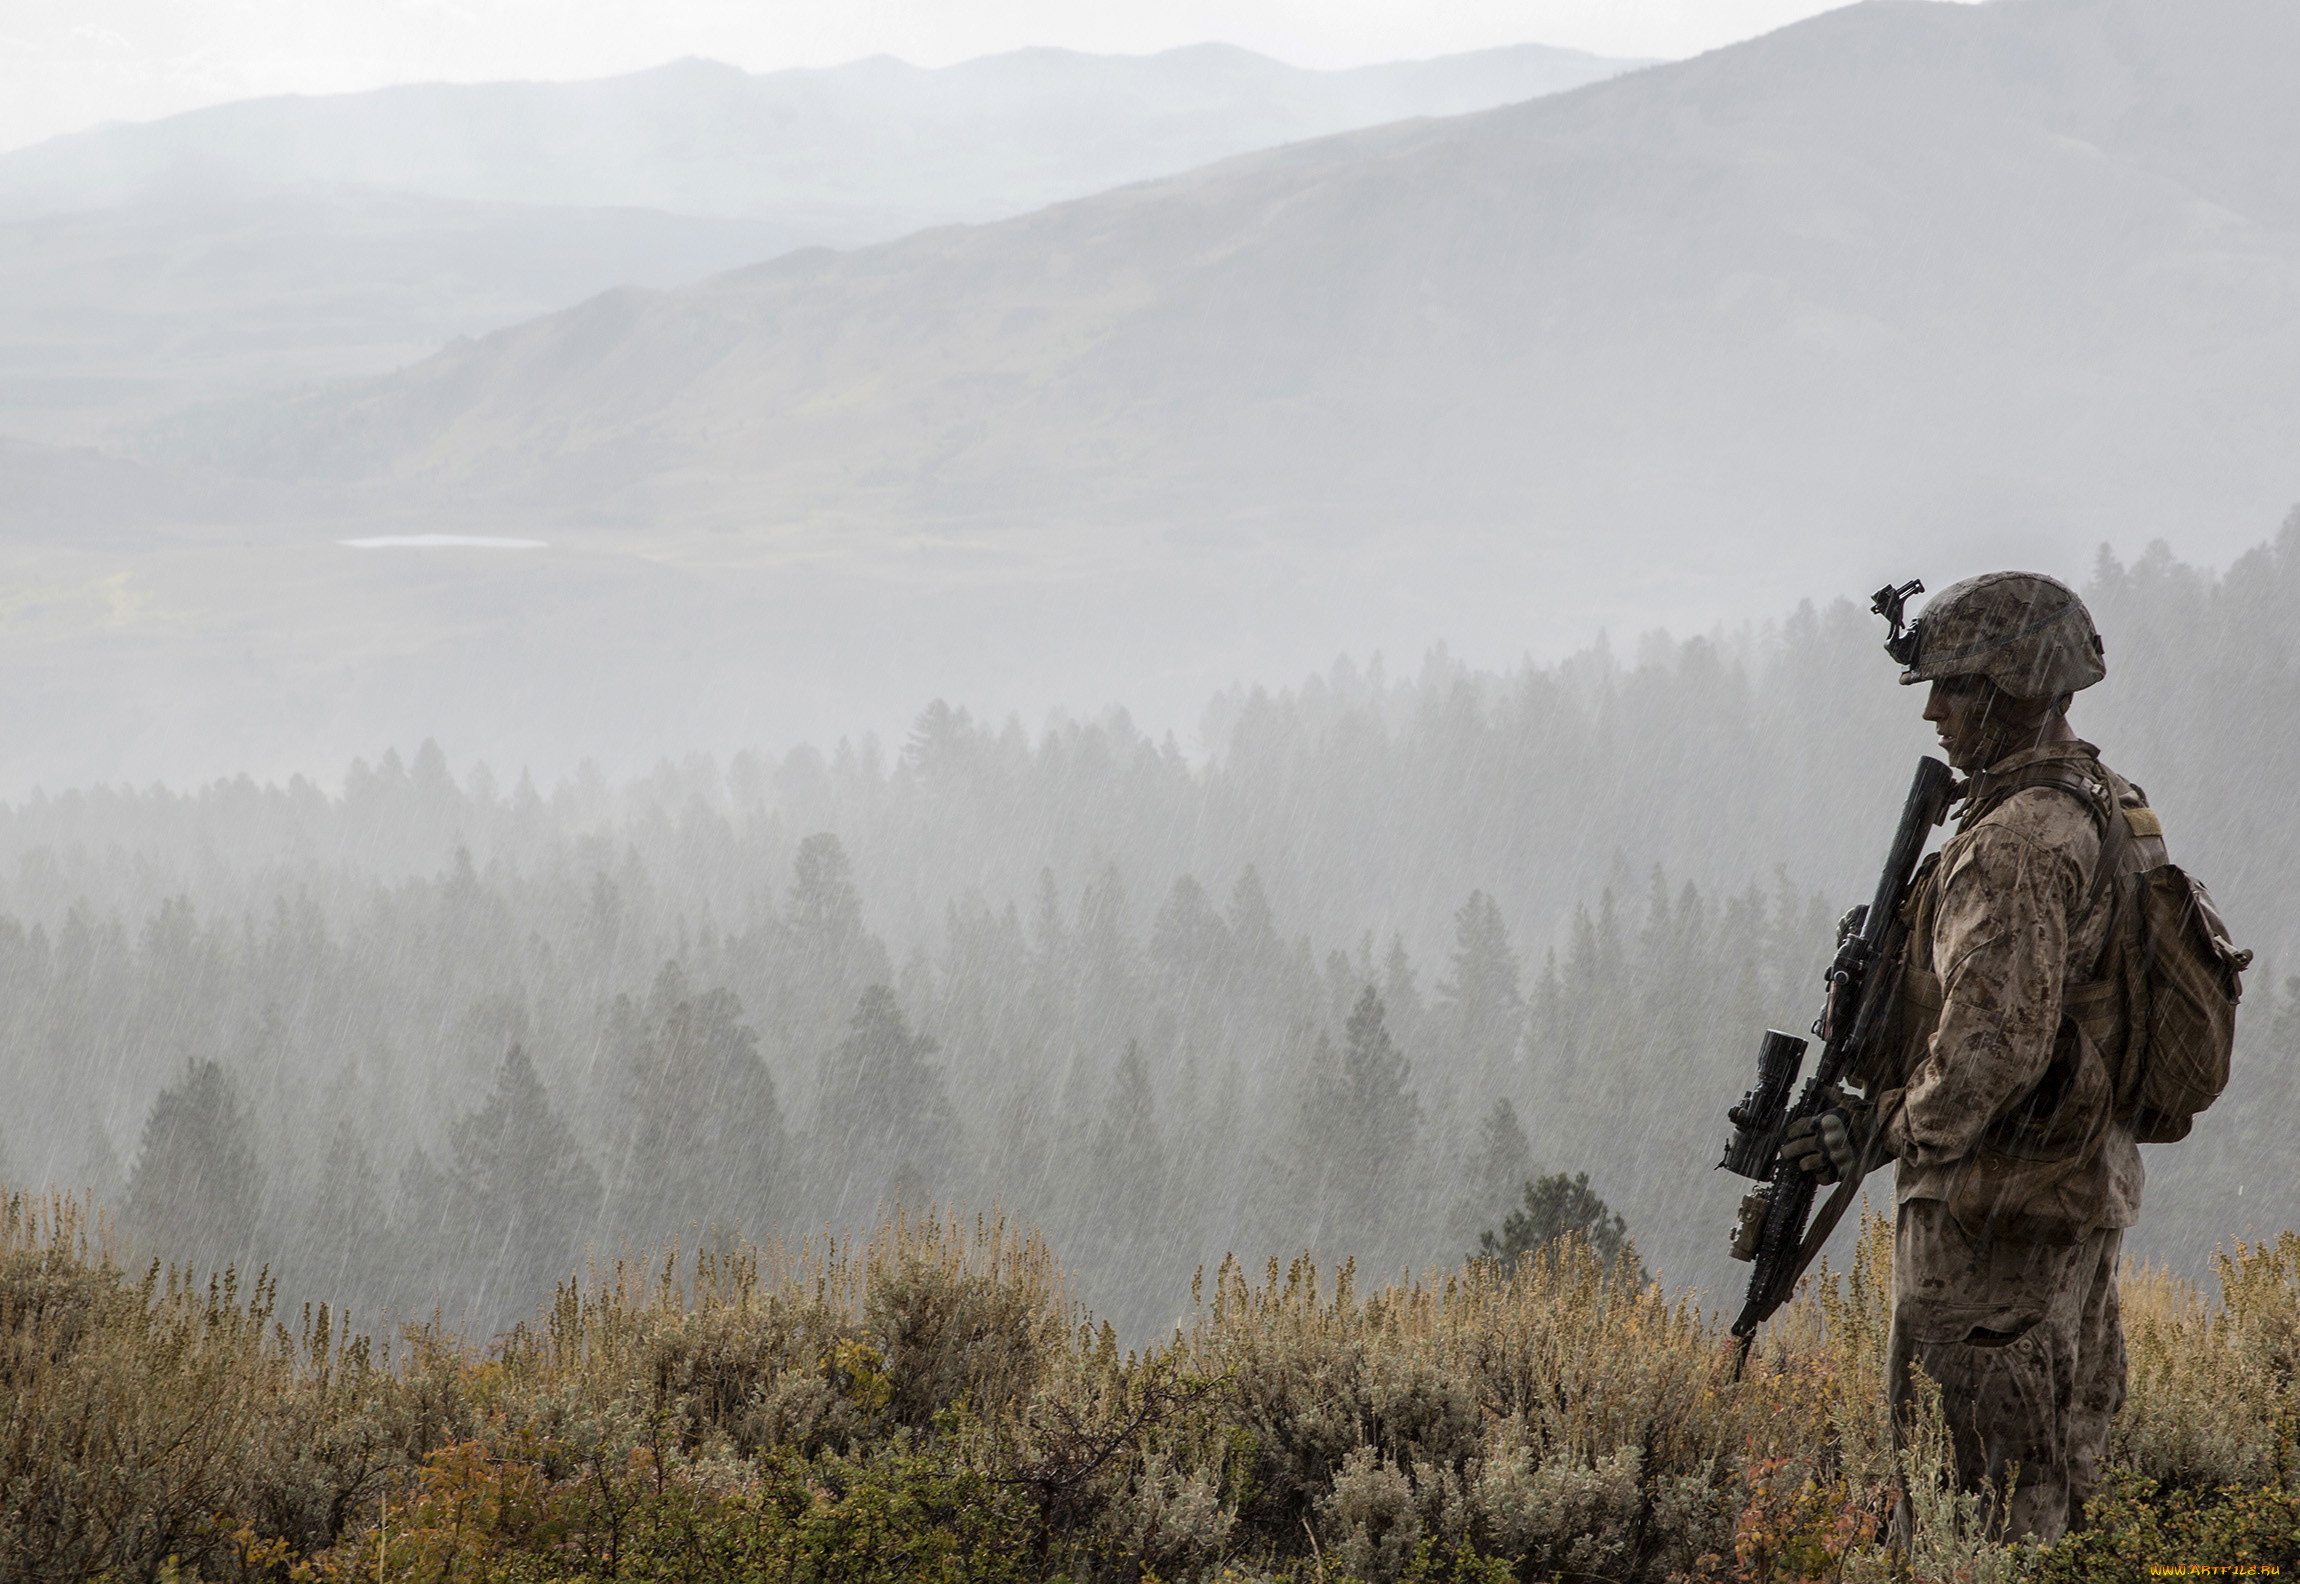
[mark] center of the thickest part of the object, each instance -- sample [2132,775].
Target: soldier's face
[1958,707]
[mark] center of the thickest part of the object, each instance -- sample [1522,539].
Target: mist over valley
[1068,971]
[933,635]
[1993,284]
[1026,821]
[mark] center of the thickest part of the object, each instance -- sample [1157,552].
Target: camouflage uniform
[2000,1092]
[2015,1179]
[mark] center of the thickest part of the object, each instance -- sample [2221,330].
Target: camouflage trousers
[2027,1346]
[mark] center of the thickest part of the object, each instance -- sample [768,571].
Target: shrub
[158,1417]
[926,1403]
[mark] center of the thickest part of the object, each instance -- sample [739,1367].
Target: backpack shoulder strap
[2095,787]
[2115,836]
[1985,793]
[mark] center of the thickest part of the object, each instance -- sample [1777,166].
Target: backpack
[2161,1005]
[2180,973]
[2159,1009]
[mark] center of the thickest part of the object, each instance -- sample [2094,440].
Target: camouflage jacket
[2001,1098]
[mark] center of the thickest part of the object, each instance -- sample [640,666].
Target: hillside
[274,243]
[117,316]
[1907,289]
[2010,278]
[849,153]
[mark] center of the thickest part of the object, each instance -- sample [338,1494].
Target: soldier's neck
[2052,734]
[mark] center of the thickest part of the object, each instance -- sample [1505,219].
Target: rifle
[1771,1230]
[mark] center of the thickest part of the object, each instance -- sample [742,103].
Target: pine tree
[1500,1161]
[1382,1123]
[703,1138]
[1354,1141]
[1545,1023]
[1481,1004]
[825,909]
[941,745]
[1190,950]
[886,1129]
[1307,1168]
[345,1230]
[1106,1000]
[1594,989]
[827,954]
[1127,1228]
[1401,996]
[1254,933]
[519,1196]
[197,1184]
[1557,1206]
[1189,943]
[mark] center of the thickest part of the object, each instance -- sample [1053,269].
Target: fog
[261,245]
[66,68]
[697,652]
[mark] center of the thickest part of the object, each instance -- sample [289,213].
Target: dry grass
[929,1402]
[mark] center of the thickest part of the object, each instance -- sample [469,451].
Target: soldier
[1995,1092]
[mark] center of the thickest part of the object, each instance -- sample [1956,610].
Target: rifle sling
[1823,1223]
[1831,1212]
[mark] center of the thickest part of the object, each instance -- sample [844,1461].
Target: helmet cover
[2027,633]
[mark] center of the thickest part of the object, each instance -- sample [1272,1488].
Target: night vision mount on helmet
[2027,633]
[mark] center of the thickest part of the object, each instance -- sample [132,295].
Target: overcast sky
[68,64]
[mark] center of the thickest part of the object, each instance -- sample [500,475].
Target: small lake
[444,542]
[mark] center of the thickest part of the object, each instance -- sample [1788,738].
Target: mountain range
[1906,288]
[2019,275]
[847,154]
[281,241]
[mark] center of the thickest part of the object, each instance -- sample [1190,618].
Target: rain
[1219,648]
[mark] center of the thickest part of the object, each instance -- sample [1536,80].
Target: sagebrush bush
[928,1403]
[161,1417]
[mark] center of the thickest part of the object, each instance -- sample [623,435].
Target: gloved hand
[1823,1145]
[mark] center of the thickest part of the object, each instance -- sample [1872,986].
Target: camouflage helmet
[2027,633]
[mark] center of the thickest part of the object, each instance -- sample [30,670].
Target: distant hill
[2001,279]
[273,242]
[848,154]
[115,316]
[1907,289]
